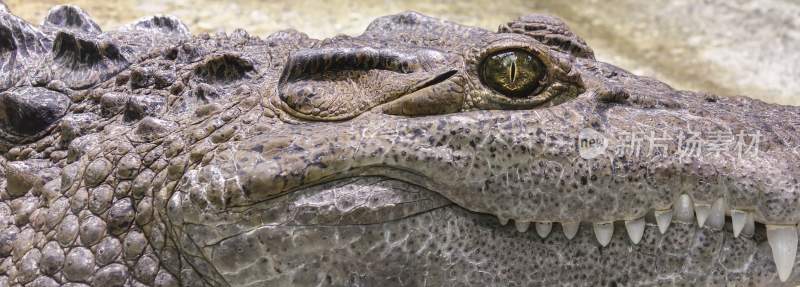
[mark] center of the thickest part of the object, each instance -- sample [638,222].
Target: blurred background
[728,47]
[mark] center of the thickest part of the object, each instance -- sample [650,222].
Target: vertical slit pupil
[513,70]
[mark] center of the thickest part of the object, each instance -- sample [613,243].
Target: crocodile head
[395,157]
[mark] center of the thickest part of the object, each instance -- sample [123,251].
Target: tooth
[683,209]
[716,220]
[702,211]
[570,229]
[635,229]
[749,225]
[663,218]
[739,218]
[503,220]
[783,240]
[543,228]
[522,226]
[603,232]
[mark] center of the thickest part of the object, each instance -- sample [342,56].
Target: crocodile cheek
[268,239]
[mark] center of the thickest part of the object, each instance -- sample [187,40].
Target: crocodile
[418,153]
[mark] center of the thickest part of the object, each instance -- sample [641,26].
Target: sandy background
[727,47]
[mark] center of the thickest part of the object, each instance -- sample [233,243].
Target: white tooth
[603,232]
[716,220]
[503,220]
[522,226]
[570,229]
[635,229]
[683,209]
[702,211]
[783,240]
[739,218]
[663,218]
[543,228]
[749,225]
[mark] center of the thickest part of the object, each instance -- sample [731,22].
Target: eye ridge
[509,71]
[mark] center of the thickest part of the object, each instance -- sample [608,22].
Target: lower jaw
[451,246]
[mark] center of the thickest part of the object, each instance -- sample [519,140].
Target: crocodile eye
[513,73]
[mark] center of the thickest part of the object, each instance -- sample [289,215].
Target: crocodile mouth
[716,216]
[460,169]
[717,219]
[401,211]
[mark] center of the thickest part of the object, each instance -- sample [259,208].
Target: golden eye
[513,73]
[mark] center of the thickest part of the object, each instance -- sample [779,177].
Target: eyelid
[316,61]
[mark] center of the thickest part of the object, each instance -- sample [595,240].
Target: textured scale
[148,156]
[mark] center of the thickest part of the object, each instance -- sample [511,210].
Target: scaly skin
[150,157]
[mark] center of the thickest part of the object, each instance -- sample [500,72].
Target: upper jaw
[527,165]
